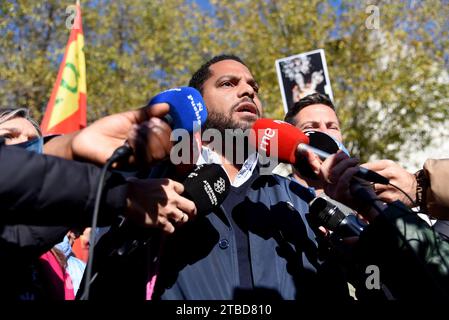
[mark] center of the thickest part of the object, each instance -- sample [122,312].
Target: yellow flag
[66,110]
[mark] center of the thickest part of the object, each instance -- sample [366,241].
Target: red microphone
[276,138]
[282,140]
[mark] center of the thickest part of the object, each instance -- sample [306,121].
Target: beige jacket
[437,195]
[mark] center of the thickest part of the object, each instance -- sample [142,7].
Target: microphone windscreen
[187,108]
[322,141]
[319,140]
[277,139]
[207,186]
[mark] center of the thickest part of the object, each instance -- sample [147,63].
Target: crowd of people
[259,243]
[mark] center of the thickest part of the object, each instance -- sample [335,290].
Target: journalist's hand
[97,142]
[398,176]
[158,203]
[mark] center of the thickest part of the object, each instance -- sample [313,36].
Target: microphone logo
[220,186]
[197,108]
[210,193]
[192,174]
[267,135]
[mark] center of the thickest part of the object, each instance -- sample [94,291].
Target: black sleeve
[413,260]
[22,243]
[46,190]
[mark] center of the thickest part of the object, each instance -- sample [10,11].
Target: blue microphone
[187,111]
[187,108]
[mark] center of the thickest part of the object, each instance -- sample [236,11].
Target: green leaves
[387,83]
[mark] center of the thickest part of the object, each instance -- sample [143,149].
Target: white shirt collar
[209,156]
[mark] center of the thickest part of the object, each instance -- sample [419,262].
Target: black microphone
[362,172]
[207,186]
[331,217]
[122,152]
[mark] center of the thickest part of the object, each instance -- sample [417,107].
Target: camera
[328,215]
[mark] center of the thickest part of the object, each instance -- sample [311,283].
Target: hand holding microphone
[97,142]
[158,203]
[172,203]
[340,173]
[399,177]
[166,204]
[180,108]
[287,143]
[149,143]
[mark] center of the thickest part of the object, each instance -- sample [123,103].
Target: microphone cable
[120,153]
[414,204]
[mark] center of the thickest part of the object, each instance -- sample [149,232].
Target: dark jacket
[258,245]
[41,197]
[413,261]
[45,190]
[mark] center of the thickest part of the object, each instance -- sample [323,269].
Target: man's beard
[221,122]
[234,136]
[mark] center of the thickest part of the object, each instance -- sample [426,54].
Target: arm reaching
[97,142]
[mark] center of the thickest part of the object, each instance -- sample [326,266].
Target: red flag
[66,110]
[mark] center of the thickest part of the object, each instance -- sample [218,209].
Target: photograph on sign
[301,75]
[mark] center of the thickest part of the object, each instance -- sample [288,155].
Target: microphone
[331,217]
[276,138]
[187,111]
[289,142]
[207,186]
[187,108]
